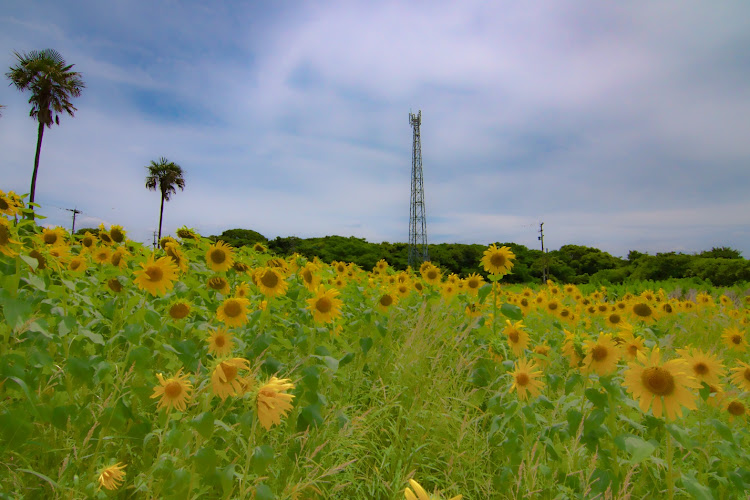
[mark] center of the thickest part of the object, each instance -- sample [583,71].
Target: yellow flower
[542,355]
[735,339]
[271,282]
[273,402]
[498,261]
[667,385]
[225,379]
[88,240]
[242,290]
[325,306]
[220,284]
[112,476]
[380,267]
[220,342]
[258,247]
[526,379]
[8,205]
[117,233]
[77,264]
[6,239]
[102,255]
[233,311]
[736,409]
[473,283]
[518,339]
[601,356]
[309,278]
[419,493]
[431,274]
[119,259]
[179,309]
[385,301]
[104,235]
[642,311]
[174,391]
[704,366]
[173,251]
[473,310]
[157,276]
[53,236]
[741,376]
[220,257]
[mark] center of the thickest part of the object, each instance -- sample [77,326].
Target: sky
[619,125]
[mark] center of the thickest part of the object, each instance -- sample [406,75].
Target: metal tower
[417,232]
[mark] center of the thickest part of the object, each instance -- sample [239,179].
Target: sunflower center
[220,341]
[270,279]
[232,308]
[552,306]
[39,258]
[498,260]
[230,372]
[614,318]
[736,339]
[599,353]
[218,256]
[522,379]
[431,274]
[117,235]
[524,302]
[324,305]
[4,235]
[667,308]
[88,241]
[104,236]
[179,311]
[386,300]
[603,308]
[50,238]
[116,258]
[658,380]
[736,408]
[114,285]
[513,336]
[154,273]
[307,276]
[173,390]
[4,204]
[473,283]
[418,286]
[75,264]
[217,283]
[642,310]
[633,349]
[700,368]
[747,374]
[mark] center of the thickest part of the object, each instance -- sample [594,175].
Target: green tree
[52,85]
[164,176]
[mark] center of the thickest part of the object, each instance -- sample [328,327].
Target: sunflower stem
[670,478]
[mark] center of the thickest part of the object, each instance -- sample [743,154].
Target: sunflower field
[198,370]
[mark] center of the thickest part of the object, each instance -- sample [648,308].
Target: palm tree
[164,176]
[52,85]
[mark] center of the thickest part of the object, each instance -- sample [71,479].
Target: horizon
[620,127]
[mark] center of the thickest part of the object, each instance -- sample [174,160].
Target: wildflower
[157,276]
[179,309]
[419,493]
[220,342]
[741,376]
[734,338]
[112,476]
[271,282]
[518,339]
[325,306]
[174,391]
[233,311]
[273,402]
[526,379]
[601,356]
[705,367]
[498,261]
[220,257]
[225,379]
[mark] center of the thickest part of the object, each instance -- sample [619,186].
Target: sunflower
[518,339]
[117,233]
[542,352]
[240,267]
[112,476]
[473,310]
[473,283]
[602,355]
[220,257]
[385,301]
[53,236]
[734,338]
[402,289]
[572,348]
[220,342]
[258,247]
[78,264]
[631,345]
[166,241]
[172,249]
[157,276]
[735,408]
[6,239]
[271,282]
[179,309]
[88,241]
[308,276]
[705,367]
[418,287]
[667,385]
[419,493]
[233,311]
[642,311]
[498,261]
[325,306]
[219,283]
[553,306]
[174,391]
[242,290]
[339,267]
[40,258]
[614,320]
[114,285]
[526,379]
[431,274]
[448,290]
[104,235]
[8,205]
[119,258]
[380,267]
[225,379]
[101,255]
[186,233]
[741,376]
[273,402]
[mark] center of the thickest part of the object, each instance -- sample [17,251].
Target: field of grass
[202,371]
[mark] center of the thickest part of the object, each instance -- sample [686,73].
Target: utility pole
[417,231]
[75,212]
[545,272]
[154,239]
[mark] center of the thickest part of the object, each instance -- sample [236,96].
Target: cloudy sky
[620,125]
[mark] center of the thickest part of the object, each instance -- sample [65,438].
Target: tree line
[722,266]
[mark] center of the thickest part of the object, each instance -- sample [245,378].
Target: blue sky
[619,125]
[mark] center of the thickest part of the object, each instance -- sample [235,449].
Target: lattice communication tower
[417,231]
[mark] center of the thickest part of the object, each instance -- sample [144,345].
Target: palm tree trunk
[161,215]
[40,134]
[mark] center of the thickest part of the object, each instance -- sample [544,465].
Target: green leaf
[724,431]
[204,424]
[263,492]
[511,311]
[365,344]
[695,488]
[205,458]
[681,436]
[598,398]
[348,358]
[31,261]
[92,336]
[483,293]
[638,449]
[262,456]
[16,311]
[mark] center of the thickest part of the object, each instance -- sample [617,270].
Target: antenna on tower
[417,231]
